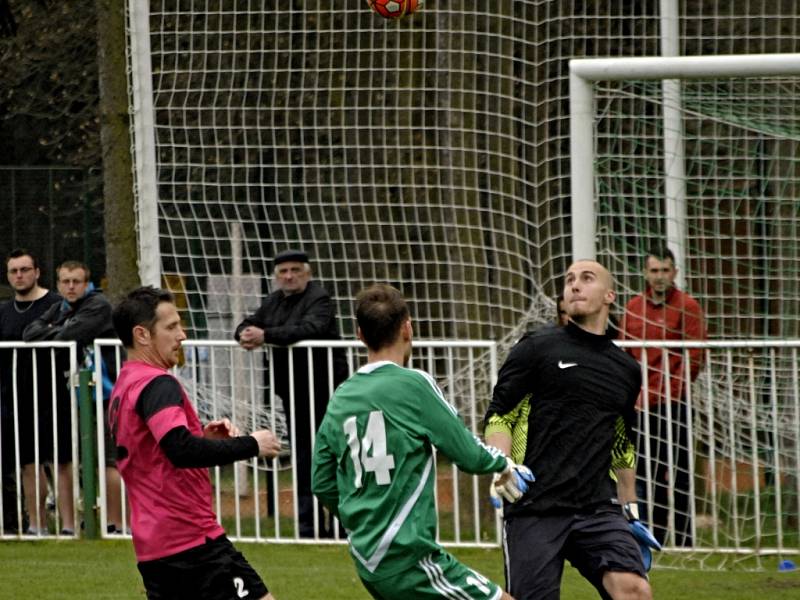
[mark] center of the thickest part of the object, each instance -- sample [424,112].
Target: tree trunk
[120,219]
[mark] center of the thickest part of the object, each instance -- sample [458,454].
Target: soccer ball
[394,9]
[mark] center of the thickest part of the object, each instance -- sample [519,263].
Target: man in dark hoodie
[83,316]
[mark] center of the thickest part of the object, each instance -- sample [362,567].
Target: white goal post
[702,153]
[584,72]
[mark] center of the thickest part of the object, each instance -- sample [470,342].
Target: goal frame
[584,72]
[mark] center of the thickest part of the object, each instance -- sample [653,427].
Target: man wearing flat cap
[299,309]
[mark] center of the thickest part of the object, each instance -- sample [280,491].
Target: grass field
[106,569]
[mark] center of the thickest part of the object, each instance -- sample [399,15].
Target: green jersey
[374,468]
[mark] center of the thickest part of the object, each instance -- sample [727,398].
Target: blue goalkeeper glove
[510,484]
[641,534]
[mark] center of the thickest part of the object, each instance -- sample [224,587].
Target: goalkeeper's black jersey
[578,385]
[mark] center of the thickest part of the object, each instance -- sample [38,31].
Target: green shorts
[437,575]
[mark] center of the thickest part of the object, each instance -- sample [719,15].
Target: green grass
[107,569]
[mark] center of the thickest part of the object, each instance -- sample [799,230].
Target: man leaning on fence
[17,398]
[663,312]
[83,316]
[299,309]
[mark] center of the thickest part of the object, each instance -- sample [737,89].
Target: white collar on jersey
[370,367]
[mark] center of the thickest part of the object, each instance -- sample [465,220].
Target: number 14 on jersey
[379,462]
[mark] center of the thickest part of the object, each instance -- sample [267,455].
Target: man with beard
[163,455]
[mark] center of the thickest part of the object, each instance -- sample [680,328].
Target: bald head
[594,267]
[589,294]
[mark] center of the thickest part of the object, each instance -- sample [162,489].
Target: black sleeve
[630,415]
[185,450]
[162,392]
[182,448]
[514,380]
[92,318]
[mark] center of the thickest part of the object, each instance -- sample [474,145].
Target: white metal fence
[742,425]
[258,500]
[39,409]
[742,421]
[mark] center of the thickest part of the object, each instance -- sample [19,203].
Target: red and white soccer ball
[394,9]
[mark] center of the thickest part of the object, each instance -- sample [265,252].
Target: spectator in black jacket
[83,316]
[299,309]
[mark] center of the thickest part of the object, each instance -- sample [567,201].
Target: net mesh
[432,153]
[389,151]
[743,215]
[742,255]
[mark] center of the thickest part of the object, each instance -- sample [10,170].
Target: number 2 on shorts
[238,582]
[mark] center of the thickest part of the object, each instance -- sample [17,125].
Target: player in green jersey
[374,468]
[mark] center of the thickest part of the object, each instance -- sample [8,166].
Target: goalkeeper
[374,465]
[576,392]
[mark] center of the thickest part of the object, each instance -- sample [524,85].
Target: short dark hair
[18,252]
[138,308]
[72,265]
[380,312]
[660,252]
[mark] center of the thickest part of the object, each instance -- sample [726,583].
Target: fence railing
[258,499]
[741,418]
[741,422]
[38,439]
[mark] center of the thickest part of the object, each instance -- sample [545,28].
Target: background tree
[51,115]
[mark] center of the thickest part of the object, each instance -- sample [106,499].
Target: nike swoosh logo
[563,365]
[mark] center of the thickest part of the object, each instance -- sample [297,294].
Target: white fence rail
[742,425]
[38,439]
[742,421]
[259,500]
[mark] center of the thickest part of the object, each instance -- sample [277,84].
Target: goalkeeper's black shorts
[214,571]
[535,547]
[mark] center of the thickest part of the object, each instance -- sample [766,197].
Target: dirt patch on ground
[247,504]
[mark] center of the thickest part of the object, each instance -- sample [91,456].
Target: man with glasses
[17,394]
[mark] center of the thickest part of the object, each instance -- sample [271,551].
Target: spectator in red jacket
[663,312]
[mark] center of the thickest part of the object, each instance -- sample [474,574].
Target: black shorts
[214,571]
[536,546]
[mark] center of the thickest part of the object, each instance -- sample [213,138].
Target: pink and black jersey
[170,506]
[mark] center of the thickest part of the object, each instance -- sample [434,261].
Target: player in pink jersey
[163,453]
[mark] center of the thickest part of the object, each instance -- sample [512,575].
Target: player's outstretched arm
[187,451]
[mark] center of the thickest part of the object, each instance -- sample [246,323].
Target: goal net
[433,153]
[389,151]
[737,139]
